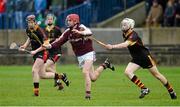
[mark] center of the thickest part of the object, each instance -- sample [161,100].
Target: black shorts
[144,62]
[54,56]
[42,55]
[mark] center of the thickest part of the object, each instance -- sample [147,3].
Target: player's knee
[93,79]
[126,72]
[86,71]
[48,69]
[42,76]
[34,71]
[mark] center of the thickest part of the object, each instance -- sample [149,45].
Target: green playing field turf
[111,89]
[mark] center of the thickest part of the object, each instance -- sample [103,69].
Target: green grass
[111,89]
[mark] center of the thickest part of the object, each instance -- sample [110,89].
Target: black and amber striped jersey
[53,32]
[37,36]
[136,47]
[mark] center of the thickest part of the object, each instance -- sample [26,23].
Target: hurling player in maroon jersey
[77,34]
[141,58]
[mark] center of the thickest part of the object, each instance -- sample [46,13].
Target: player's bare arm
[37,50]
[57,43]
[46,42]
[25,45]
[118,46]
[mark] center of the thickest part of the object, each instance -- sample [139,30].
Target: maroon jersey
[80,44]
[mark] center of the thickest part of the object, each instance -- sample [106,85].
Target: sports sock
[36,89]
[36,85]
[103,65]
[57,76]
[169,87]
[138,82]
[88,93]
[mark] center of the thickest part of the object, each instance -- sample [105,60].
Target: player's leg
[35,74]
[95,75]
[154,71]
[51,67]
[86,63]
[43,74]
[130,69]
[91,75]
[129,72]
[51,75]
[46,75]
[87,68]
[107,64]
[51,61]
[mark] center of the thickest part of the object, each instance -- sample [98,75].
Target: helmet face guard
[72,20]
[127,24]
[50,19]
[31,24]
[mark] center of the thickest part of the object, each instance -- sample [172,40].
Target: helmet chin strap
[75,26]
[125,31]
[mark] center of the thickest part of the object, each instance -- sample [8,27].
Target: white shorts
[87,56]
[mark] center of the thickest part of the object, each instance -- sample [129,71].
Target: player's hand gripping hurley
[15,46]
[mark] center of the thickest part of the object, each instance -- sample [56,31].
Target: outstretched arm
[109,46]
[58,42]
[118,46]
[41,48]
[37,50]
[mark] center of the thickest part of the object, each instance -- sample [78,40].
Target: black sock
[36,85]
[103,65]
[56,76]
[88,93]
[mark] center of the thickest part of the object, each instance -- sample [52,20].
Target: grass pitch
[111,89]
